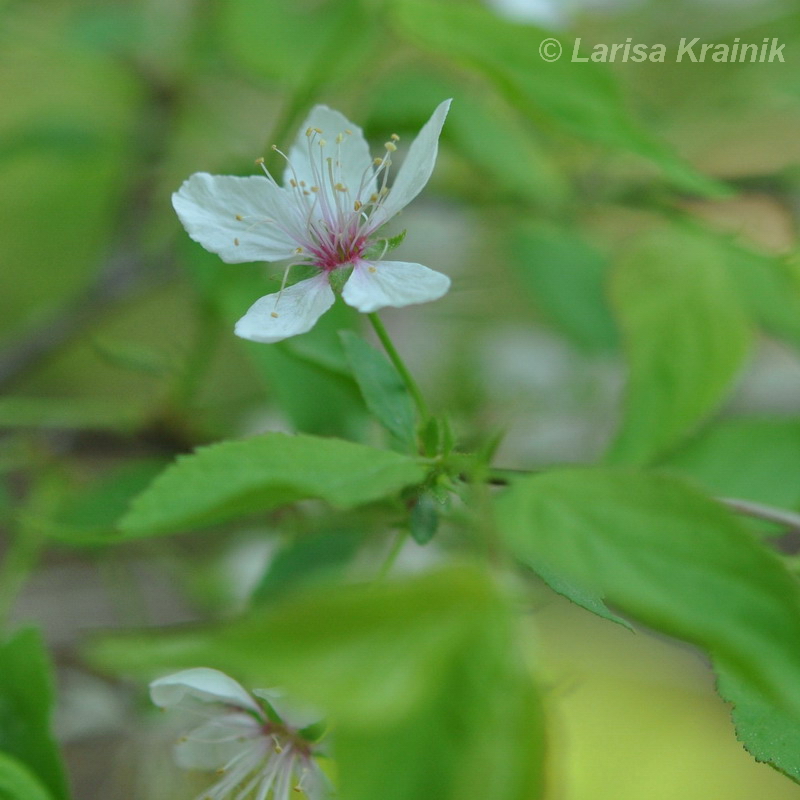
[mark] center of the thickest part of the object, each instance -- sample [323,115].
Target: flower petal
[201,683]
[377,284]
[283,314]
[352,165]
[210,208]
[216,742]
[417,167]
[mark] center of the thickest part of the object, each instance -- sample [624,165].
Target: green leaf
[68,413]
[421,679]
[89,516]
[678,562]
[227,480]
[306,559]
[424,518]
[566,277]
[685,334]
[26,697]
[17,782]
[264,37]
[579,97]
[383,389]
[770,287]
[752,458]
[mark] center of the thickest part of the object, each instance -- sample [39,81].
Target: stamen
[260,159]
[390,146]
[236,242]
[322,142]
[275,315]
[394,137]
[239,218]
[318,130]
[377,162]
[357,205]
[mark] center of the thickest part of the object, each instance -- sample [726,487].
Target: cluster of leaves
[425,678]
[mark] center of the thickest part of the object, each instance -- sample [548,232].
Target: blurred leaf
[17,782]
[481,126]
[293,39]
[581,97]
[770,287]
[230,479]
[426,690]
[131,356]
[26,697]
[68,412]
[678,562]
[566,277]
[424,518]
[686,336]
[89,516]
[382,388]
[306,559]
[755,459]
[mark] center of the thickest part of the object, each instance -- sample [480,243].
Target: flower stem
[400,366]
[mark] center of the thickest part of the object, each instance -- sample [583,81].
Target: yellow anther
[339,138]
[390,146]
[384,191]
[293,182]
[239,218]
[349,132]
[315,189]
[322,143]
[275,315]
[394,137]
[302,183]
[220,771]
[373,198]
[273,147]
[308,131]
[307,194]
[318,130]
[357,205]
[260,160]
[298,250]
[372,269]
[236,242]
[340,187]
[377,161]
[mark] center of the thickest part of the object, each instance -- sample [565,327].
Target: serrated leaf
[231,479]
[26,698]
[382,388]
[678,562]
[685,334]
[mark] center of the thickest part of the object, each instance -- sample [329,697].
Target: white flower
[257,753]
[334,198]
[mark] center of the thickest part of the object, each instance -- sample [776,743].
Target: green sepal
[338,277]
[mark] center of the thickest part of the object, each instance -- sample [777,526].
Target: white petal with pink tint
[293,311]
[379,284]
[236,218]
